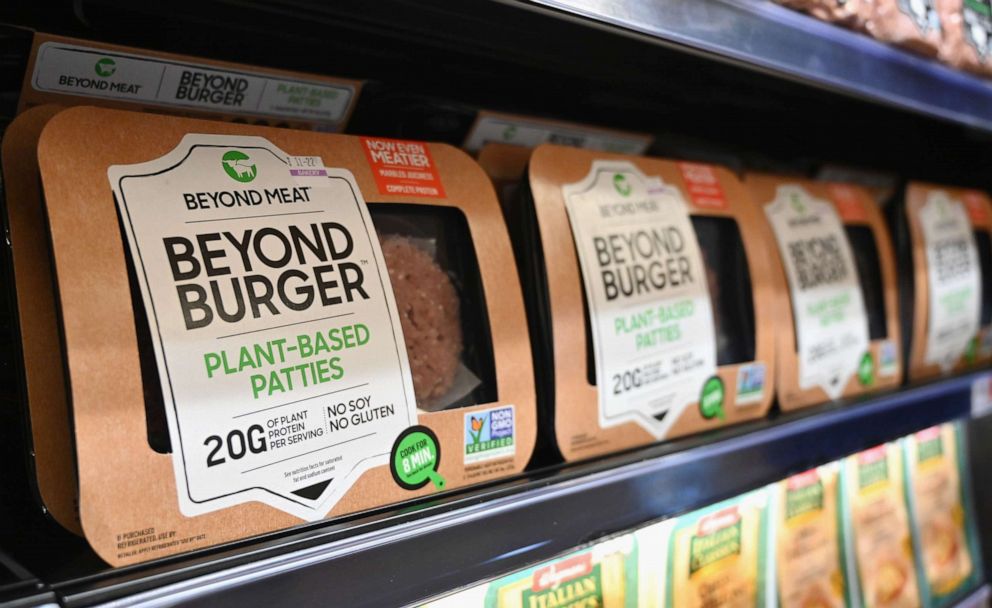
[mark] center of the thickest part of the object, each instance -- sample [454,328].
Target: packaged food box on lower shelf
[890,526]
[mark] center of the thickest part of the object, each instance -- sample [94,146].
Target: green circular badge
[238,166]
[712,398]
[415,459]
[866,370]
[105,67]
[621,184]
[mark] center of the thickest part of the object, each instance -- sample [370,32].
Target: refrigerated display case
[744,83]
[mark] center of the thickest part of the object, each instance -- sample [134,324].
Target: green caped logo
[622,186]
[105,67]
[797,203]
[238,166]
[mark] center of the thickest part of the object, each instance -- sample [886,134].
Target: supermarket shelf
[771,38]
[729,81]
[19,589]
[433,547]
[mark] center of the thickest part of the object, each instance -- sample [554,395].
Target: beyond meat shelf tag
[492,127]
[75,69]
[953,275]
[827,303]
[649,306]
[281,358]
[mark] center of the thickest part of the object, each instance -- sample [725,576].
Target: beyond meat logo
[105,67]
[238,166]
[623,187]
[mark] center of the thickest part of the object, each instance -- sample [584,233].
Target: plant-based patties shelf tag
[649,307]
[281,357]
[953,275]
[827,303]
[75,69]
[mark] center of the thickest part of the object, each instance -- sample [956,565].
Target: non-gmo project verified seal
[489,434]
[750,383]
[887,363]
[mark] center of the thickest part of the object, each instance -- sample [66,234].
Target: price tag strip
[63,69]
[493,127]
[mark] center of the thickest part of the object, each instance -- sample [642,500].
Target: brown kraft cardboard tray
[574,409]
[855,207]
[126,488]
[916,281]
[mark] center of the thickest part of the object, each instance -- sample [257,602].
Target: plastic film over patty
[429,313]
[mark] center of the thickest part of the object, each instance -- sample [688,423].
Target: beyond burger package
[809,543]
[643,277]
[944,248]
[881,541]
[840,335]
[718,557]
[506,165]
[941,512]
[913,24]
[264,327]
[967,39]
[70,71]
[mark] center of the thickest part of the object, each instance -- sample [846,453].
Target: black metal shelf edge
[412,552]
[19,588]
[774,39]
[978,599]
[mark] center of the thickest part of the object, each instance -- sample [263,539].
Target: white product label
[954,279]
[827,303]
[649,307]
[91,72]
[532,133]
[283,368]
